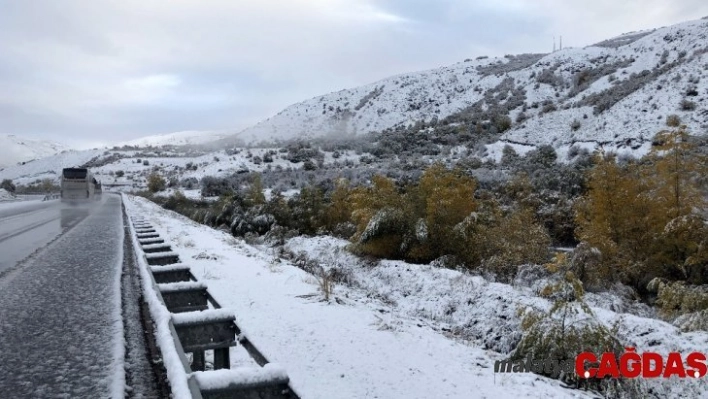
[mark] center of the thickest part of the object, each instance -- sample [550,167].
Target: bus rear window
[75,173]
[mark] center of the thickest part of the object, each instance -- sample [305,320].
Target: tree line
[635,219]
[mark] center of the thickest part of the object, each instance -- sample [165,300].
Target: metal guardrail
[195,328]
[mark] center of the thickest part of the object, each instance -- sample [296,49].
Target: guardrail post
[222,360]
[207,330]
[269,382]
[148,241]
[198,362]
[184,296]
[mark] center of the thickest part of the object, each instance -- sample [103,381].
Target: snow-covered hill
[616,93]
[14,149]
[48,167]
[190,137]
[619,91]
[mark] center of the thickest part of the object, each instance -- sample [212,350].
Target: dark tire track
[25,229]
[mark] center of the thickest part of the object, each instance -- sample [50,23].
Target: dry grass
[326,285]
[323,281]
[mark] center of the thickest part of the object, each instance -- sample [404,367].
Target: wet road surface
[26,226]
[60,321]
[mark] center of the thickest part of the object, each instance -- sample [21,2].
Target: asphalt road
[25,227]
[61,317]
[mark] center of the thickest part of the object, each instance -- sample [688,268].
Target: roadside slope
[335,349]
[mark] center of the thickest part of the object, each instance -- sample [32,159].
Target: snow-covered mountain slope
[48,167]
[617,90]
[190,137]
[14,149]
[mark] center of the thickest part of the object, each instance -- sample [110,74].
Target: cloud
[147,89]
[127,68]
[369,13]
[155,81]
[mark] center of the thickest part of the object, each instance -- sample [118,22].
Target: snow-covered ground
[397,330]
[350,347]
[486,311]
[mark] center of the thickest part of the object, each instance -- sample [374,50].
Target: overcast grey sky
[106,71]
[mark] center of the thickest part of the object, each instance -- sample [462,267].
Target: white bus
[77,185]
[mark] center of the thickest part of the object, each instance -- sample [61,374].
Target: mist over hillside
[188,137]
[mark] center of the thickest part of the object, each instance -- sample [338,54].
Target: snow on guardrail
[171,327]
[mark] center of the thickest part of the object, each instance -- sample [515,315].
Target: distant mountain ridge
[616,92]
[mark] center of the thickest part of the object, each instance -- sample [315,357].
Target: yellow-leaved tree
[378,212]
[616,217]
[647,218]
[676,168]
[339,210]
[443,199]
[255,195]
